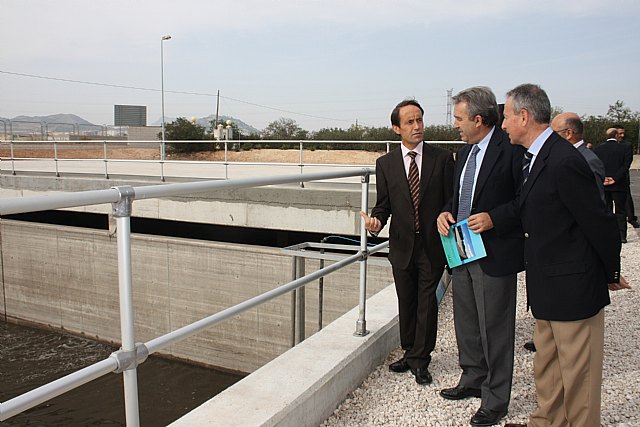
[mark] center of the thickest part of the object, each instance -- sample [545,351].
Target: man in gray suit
[570,127]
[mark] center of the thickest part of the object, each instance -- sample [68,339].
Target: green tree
[284,128]
[184,130]
[619,112]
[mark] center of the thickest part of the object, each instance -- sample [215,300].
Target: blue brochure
[462,245]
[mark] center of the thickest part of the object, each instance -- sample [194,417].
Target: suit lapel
[428,163]
[398,164]
[538,166]
[494,151]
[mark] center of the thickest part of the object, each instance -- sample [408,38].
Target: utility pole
[449,95]
[215,124]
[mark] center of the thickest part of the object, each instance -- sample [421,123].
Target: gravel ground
[389,399]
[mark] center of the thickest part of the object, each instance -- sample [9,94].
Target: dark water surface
[31,357]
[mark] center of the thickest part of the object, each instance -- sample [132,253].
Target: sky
[322,63]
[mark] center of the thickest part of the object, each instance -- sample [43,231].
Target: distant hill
[54,123]
[66,122]
[206,122]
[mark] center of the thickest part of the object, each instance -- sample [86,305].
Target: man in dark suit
[571,252]
[630,209]
[569,126]
[412,184]
[617,160]
[486,180]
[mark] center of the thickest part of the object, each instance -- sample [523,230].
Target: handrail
[94,197]
[132,354]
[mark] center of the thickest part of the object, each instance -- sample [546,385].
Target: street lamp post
[167,37]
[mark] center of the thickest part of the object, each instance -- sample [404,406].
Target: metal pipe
[94,197]
[195,327]
[321,287]
[122,213]
[106,168]
[300,304]
[55,388]
[226,159]
[294,276]
[55,156]
[301,166]
[361,324]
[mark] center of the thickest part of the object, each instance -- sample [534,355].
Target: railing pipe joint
[128,360]
[122,208]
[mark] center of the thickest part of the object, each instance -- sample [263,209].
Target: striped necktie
[526,162]
[464,208]
[414,188]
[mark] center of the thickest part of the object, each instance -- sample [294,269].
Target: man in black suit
[486,180]
[412,184]
[569,126]
[617,160]
[630,209]
[571,252]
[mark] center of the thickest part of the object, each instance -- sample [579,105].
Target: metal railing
[132,354]
[159,164]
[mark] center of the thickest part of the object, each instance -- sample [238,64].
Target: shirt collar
[539,141]
[417,150]
[482,145]
[579,143]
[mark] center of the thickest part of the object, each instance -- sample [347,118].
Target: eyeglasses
[564,130]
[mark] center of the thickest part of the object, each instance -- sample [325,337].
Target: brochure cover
[462,245]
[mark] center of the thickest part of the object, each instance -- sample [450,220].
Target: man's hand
[480,222]
[443,221]
[622,284]
[608,181]
[371,224]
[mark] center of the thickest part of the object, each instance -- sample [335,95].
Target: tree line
[287,129]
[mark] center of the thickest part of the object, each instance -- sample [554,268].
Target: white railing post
[122,213]
[106,170]
[361,324]
[55,157]
[301,165]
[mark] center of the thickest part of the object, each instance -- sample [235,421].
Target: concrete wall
[67,278]
[320,208]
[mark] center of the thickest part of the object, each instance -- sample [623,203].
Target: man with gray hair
[571,253]
[487,178]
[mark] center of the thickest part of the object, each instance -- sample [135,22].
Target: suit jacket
[394,200]
[572,245]
[617,159]
[499,181]
[596,165]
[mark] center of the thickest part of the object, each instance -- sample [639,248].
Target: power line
[171,91]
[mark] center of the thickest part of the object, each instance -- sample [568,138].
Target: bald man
[616,161]
[570,127]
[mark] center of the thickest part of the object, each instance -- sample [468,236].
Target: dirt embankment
[260,155]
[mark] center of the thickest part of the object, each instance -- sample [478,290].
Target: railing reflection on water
[132,354]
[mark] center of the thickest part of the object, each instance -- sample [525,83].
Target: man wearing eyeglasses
[570,127]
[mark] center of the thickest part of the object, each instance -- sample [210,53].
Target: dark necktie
[464,208]
[526,162]
[414,187]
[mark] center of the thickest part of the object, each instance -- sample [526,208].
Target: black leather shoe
[422,376]
[487,417]
[529,345]
[634,223]
[399,366]
[460,392]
